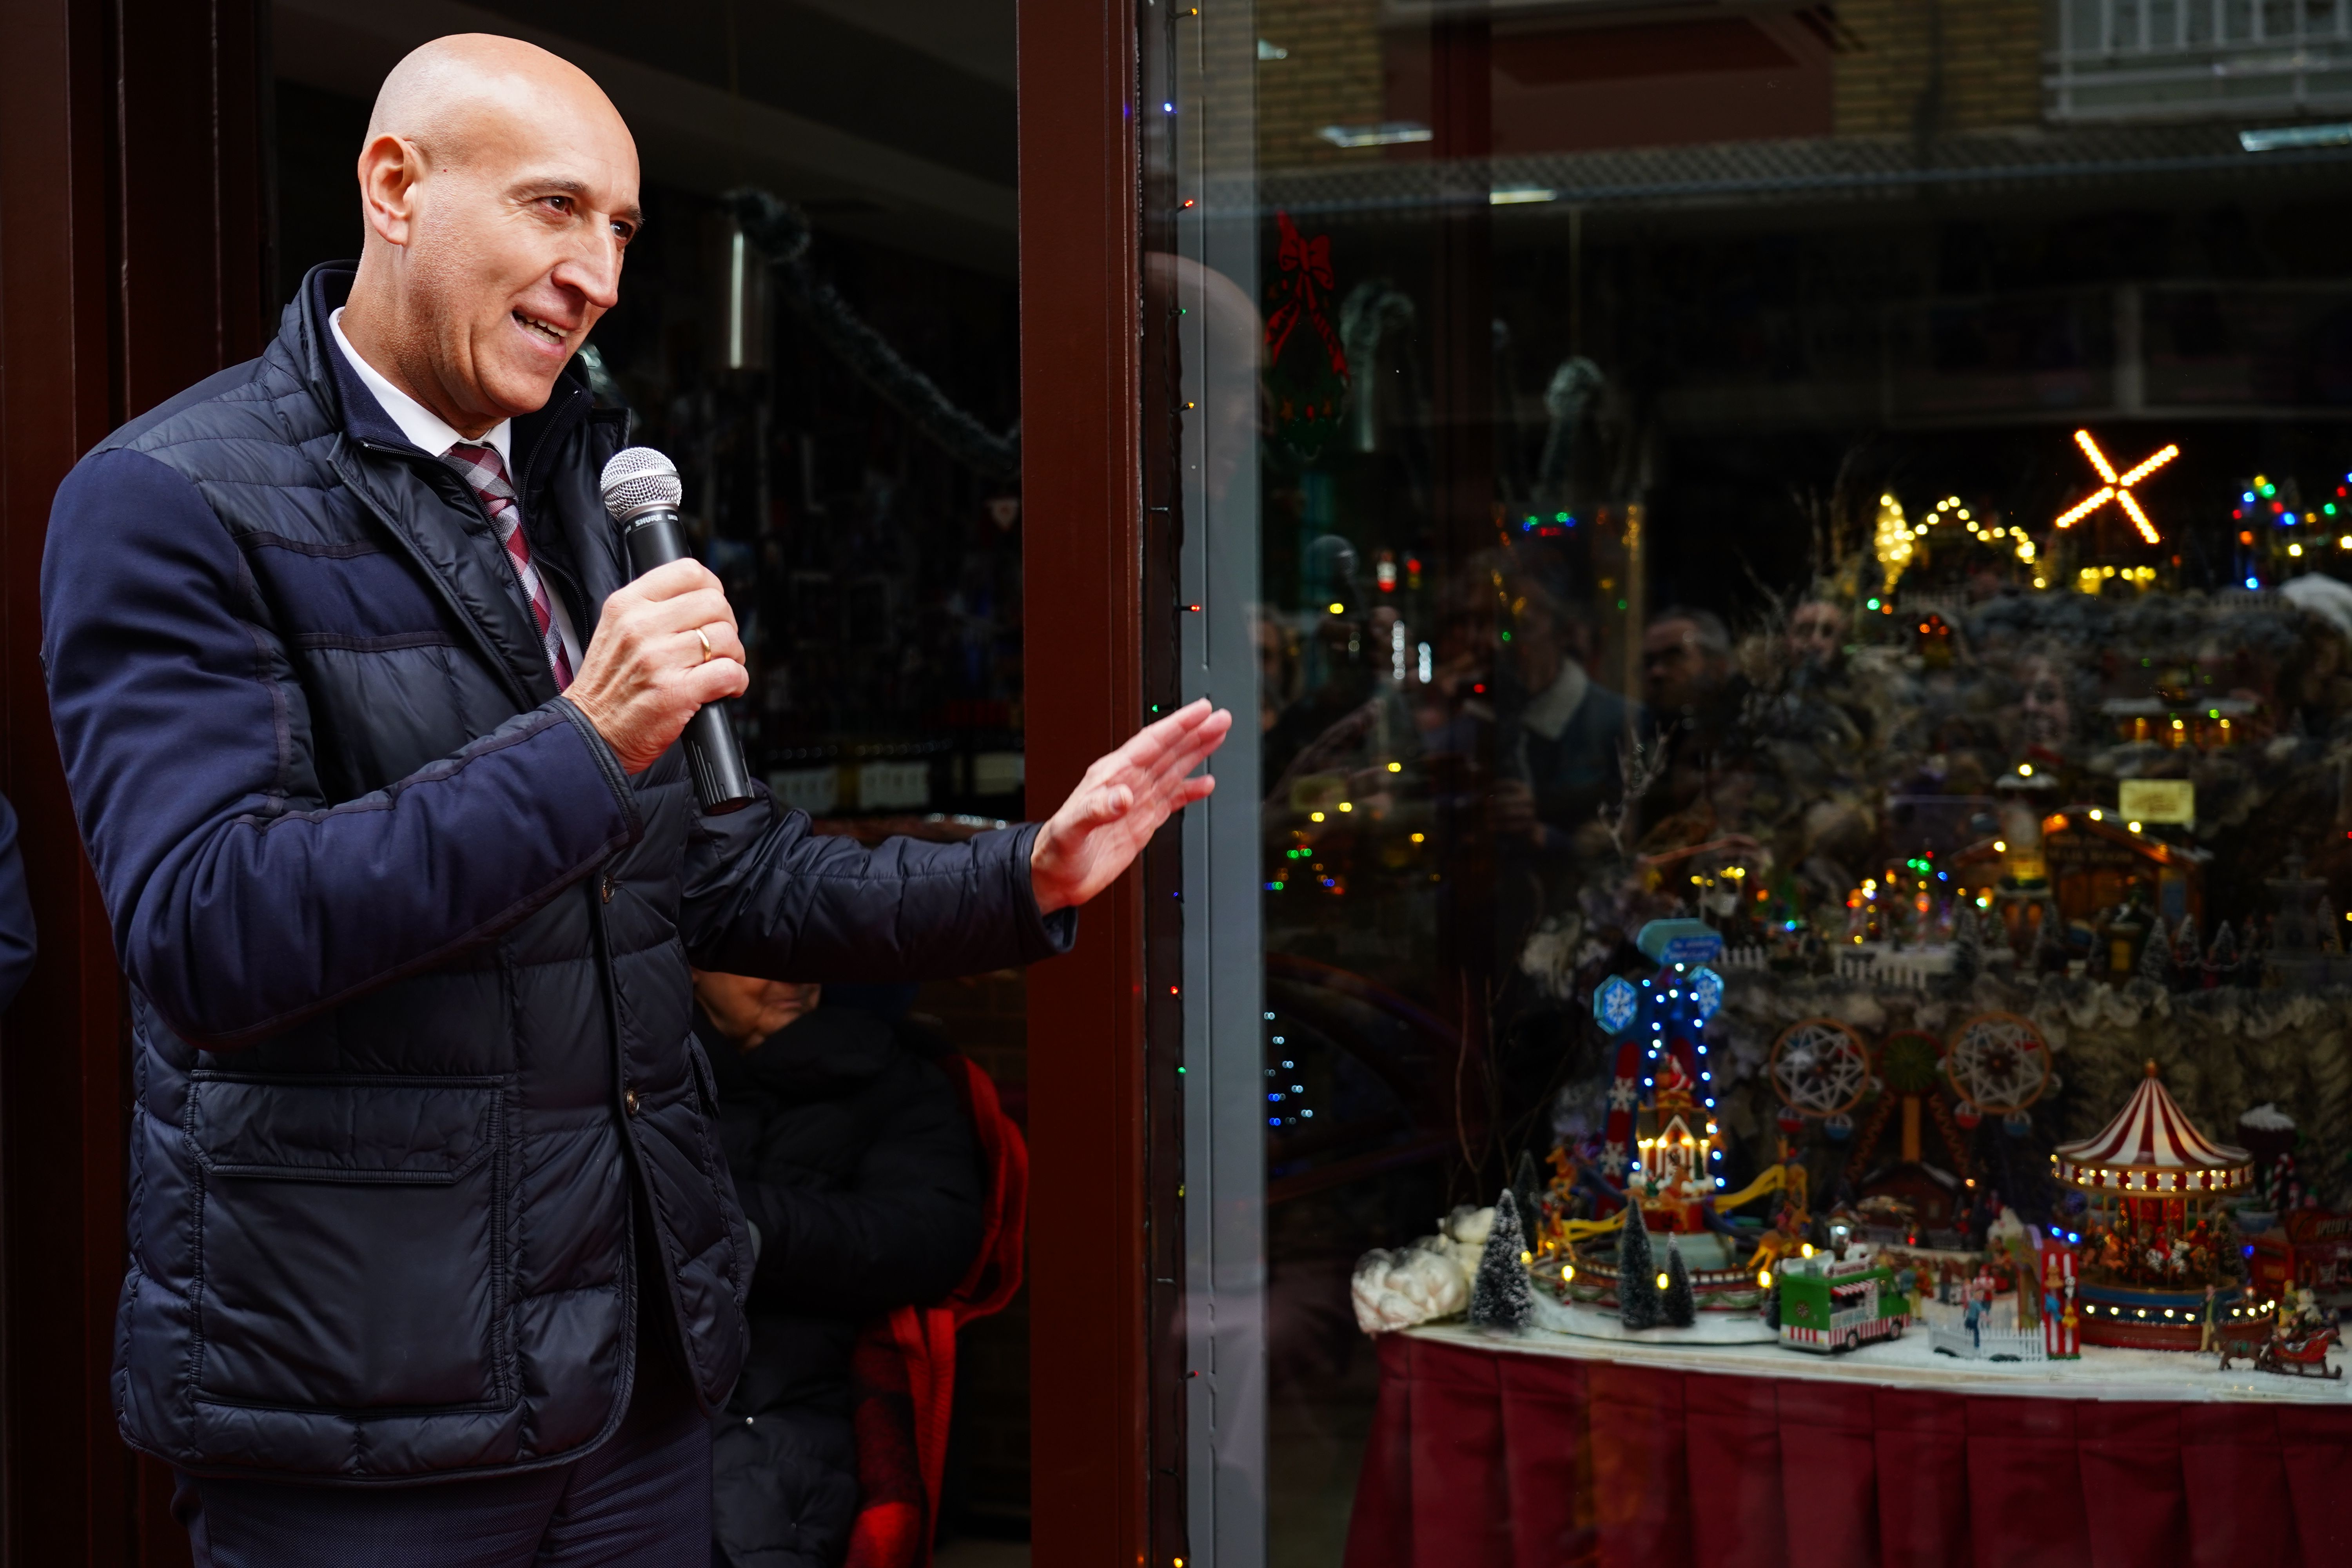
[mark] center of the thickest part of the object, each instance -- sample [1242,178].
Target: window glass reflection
[1799,632]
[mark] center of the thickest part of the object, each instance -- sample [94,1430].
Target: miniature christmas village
[2162,1239]
[1993,983]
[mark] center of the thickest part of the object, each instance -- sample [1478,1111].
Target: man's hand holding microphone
[664,646]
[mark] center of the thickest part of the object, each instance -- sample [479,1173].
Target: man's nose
[594,271]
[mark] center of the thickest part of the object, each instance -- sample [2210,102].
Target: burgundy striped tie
[488,475]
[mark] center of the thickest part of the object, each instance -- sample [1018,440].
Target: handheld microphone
[642,491]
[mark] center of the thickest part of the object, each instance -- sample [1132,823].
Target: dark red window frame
[133,239]
[1082,565]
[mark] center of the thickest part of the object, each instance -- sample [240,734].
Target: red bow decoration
[1308,264]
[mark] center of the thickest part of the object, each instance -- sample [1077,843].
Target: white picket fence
[1988,1343]
[1890,971]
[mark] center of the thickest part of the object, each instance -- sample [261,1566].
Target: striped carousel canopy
[2152,1147]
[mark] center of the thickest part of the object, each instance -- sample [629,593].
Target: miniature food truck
[1828,1305]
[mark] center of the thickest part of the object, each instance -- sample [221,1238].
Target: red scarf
[903,1370]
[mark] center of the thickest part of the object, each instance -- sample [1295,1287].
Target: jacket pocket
[351,1241]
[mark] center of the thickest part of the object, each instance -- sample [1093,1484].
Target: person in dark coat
[856,1168]
[433,1260]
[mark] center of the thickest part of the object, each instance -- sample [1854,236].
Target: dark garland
[781,230]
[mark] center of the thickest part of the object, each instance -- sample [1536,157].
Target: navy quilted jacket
[407,951]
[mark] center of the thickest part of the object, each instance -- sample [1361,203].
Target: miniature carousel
[2160,1254]
[1667,1181]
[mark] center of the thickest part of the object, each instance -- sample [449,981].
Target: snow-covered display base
[1911,1362]
[1601,1323]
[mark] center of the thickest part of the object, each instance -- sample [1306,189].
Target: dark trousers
[641,1500]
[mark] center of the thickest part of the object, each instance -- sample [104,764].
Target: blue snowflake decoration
[1707,988]
[1614,1003]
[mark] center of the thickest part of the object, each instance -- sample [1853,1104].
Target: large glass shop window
[1771,976]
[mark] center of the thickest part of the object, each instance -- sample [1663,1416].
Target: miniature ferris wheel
[1820,1070]
[1999,1065]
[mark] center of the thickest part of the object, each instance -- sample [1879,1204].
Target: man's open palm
[1121,802]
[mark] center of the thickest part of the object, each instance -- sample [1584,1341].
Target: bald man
[434,1256]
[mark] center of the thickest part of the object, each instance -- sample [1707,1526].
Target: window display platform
[1546,1451]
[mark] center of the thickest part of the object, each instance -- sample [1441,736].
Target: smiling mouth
[551,333]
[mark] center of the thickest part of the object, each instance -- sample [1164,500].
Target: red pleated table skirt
[1487,1457]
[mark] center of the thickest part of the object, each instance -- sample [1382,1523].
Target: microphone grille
[639,478]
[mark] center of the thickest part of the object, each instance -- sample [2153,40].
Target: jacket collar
[421,501]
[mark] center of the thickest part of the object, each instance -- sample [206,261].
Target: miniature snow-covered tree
[2221,958]
[2188,950]
[2155,956]
[1499,1298]
[1681,1308]
[1528,1188]
[2038,953]
[1968,948]
[2256,952]
[1638,1305]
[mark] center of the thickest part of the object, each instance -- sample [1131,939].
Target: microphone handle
[721,784]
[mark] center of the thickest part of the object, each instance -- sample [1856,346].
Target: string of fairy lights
[2299,538]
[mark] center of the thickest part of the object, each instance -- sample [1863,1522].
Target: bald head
[456,96]
[499,188]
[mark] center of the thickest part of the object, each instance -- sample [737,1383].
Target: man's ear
[390,169]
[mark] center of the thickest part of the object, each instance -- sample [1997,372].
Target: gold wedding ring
[705,639]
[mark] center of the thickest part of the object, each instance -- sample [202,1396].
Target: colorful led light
[2118,487]
[2085,509]
[2098,458]
[2153,463]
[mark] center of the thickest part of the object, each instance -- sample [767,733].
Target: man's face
[514,253]
[1535,644]
[1680,672]
[1815,635]
[2049,718]
[1466,642]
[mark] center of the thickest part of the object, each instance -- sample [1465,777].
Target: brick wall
[1333,77]
[1957,65]
[1980,60]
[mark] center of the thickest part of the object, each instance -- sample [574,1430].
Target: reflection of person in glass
[2043,701]
[1693,690]
[1685,660]
[1560,732]
[1822,690]
[2045,716]
[1817,638]
[1350,720]
[1276,664]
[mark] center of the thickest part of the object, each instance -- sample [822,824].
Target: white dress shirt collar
[1548,711]
[425,430]
[430,433]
